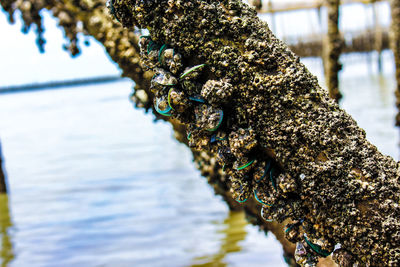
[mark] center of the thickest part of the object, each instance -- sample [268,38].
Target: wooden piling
[363,41]
[283,6]
[379,34]
[3,186]
[332,50]
[395,44]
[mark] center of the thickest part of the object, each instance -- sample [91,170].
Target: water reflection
[234,231]
[383,86]
[6,253]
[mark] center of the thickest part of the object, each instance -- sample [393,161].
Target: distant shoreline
[58,84]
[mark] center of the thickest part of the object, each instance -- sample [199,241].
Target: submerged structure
[261,129]
[3,187]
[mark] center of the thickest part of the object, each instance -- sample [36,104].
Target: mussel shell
[208,118]
[293,232]
[144,40]
[224,155]
[177,100]
[197,98]
[192,73]
[191,87]
[244,164]
[151,46]
[219,136]
[261,171]
[272,177]
[161,53]
[241,191]
[319,246]
[162,79]
[259,200]
[266,213]
[161,106]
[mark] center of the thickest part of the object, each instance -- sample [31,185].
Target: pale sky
[22,63]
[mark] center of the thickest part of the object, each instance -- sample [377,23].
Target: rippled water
[94,182]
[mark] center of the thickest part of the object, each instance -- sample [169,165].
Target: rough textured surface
[332,50]
[122,46]
[327,175]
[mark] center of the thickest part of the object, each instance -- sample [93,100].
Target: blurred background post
[3,186]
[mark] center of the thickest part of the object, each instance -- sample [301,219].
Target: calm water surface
[94,182]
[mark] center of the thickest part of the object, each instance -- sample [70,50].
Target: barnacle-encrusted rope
[327,173]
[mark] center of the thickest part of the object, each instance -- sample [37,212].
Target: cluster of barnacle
[203,106]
